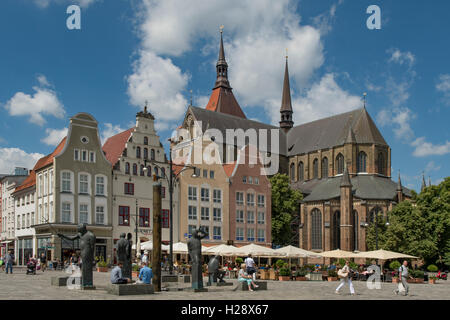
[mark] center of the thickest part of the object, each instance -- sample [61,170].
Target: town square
[249,150]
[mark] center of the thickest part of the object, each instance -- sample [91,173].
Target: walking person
[244,276]
[250,266]
[403,277]
[9,260]
[43,261]
[346,277]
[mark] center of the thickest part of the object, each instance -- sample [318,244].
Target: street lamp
[171,181]
[365,225]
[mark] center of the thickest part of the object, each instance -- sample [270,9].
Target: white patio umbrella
[222,250]
[181,247]
[383,255]
[338,253]
[257,251]
[148,245]
[294,252]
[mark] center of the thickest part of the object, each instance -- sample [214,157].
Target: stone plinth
[261,286]
[169,278]
[184,278]
[60,281]
[130,289]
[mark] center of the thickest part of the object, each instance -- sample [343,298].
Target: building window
[261,237]
[84,184]
[211,174]
[66,182]
[191,229]
[206,229]
[250,199]
[239,198]
[292,171]
[316,169]
[163,172]
[144,217]
[84,213]
[256,180]
[165,218]
[84,156]
[250,217]
[217,214]
[373,214]
[129,188]
[66,212]
[217,196]
[250,234]
[76,154]
[124,216]
[362,161]
[205,173]
[239,216]
[340,163]
[301,171]
[205,194]
[250,180]
[192,213]
[217,233]
[192,193]
[149,171]
[152,154]
[244,179]
[146,141]
[99,215]
[141,172]
[261,218]
[100,186]
[261,200]
[138,152]
[381,164]
[316,229]
[135,169]
[163,192]
[325,168]
[204,213]
[92,156]
[240,234]
[336,231]
[145,153]
[127,168]
[155,169]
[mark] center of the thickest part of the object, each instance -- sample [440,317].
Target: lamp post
[170,181]
[365,224]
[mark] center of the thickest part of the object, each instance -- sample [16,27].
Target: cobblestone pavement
[22,286]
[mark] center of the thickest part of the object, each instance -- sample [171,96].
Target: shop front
[24,250]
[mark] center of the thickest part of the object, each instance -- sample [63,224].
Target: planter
[102,269]
[301,279]
[395,280]
[284,278]
[332,278]
[135,274]
[418,280]
[431,281]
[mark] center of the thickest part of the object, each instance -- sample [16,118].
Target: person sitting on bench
[116,275]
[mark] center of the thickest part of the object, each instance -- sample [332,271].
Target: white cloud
[15,157]
[424,148]
[444,86]
[43,81]
[81,3]
[110,130]
[54,136]
[400,119]
[324,21]
[400,57]
[431,166]
[43,102]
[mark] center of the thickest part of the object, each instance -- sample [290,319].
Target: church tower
[346,211]
[286,122]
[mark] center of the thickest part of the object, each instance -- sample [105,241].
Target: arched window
[355,229]
[145,153]
[340,163]
[145,140]
[152,154]
[292,171]
[156,171]
[381,164]
[127,168]
[336,238]
[142,170]
[135,169]
[149,171]
[301,171]
[362,161]
[316,168]
[316,229]
[138,152]
[163,172]
[325,167]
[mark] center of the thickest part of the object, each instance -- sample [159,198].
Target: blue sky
[129,51]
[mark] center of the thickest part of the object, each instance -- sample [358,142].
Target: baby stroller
[31,267]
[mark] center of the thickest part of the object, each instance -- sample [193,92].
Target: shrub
[101,262]
[279,264]
[301,273]
[239,261]
[285,272]
[432,268]
[418,274]
[394,265]
[353,265]
[135,267]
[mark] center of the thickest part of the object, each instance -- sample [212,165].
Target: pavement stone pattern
[29,287]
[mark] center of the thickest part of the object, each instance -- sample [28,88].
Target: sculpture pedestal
[261,286]
[169,278]
[59,281]
[131,289]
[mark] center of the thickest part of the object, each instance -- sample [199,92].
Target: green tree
[421,229]
[285,201]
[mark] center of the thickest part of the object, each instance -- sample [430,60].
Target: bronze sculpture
[195,252]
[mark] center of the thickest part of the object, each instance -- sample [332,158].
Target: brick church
[341,164]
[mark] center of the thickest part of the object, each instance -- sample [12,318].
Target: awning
[7,241]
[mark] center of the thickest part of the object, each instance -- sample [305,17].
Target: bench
[130,289]
[261,286]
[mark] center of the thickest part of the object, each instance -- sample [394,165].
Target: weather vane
[286,53]
[221,28]
[191,96]
[364,97]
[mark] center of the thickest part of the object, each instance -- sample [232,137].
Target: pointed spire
[345,180]
[399,184]
[424,185]
[429,181]
[286,105]
[222,66]
[364,98]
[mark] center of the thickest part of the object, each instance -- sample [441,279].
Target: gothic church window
[316,168]
[316,229]
[340,163]
[325,167]
[362,161]
[301,171]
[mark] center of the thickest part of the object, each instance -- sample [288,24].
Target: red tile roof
[28,182]
[229,167]
[223,100]
[45,161]
[115,145]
